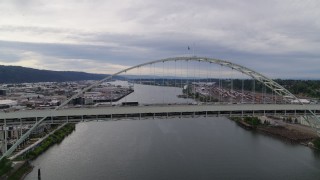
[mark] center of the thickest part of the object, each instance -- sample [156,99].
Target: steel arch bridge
[277,88]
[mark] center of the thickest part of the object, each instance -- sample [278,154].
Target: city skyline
[278,39]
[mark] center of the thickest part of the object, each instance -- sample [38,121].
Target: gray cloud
[278,38]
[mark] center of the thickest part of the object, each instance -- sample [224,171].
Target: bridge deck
[157,109]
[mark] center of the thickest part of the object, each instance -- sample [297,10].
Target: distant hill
[18,74]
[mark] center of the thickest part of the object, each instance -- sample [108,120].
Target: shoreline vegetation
[23,166]
[282,132]
[5,166]
[53,139]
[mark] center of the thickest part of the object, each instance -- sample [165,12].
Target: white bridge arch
[277,88]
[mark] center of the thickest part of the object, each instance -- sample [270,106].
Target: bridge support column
[167,115]
[285,112]
[82,118]
[20,127]
[242,113]
[154,115]
[51,119]
[111,117]
[180,114]
[264,112]
[36,119]
[5,137]
[139,116]
[206,114]
[295,112]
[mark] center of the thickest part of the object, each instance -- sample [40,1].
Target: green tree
[5,166]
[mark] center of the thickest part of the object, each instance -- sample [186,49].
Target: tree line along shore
[20,166]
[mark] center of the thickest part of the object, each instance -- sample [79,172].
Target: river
[174,148]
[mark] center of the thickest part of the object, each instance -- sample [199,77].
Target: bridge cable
[181,75]
[231,92]
[126,81]
[199,79]
[253,92]
[194,83]
[265,93]
[187,86]
[274,97]
[111,87]
[220,85]
[162,82]
[140,86]
[207,85]
[242,92]
[175,77]
[149,76]
[154,80]
[210,80]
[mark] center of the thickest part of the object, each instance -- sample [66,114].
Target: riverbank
[22,172]
[315,144]
[21,163]
[54,138]
[287,133]
[291,135]
[19,171]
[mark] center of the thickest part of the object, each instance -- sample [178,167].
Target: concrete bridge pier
[20,127]
[4,137]
[2,143]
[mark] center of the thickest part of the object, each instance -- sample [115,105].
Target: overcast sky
[279,38]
